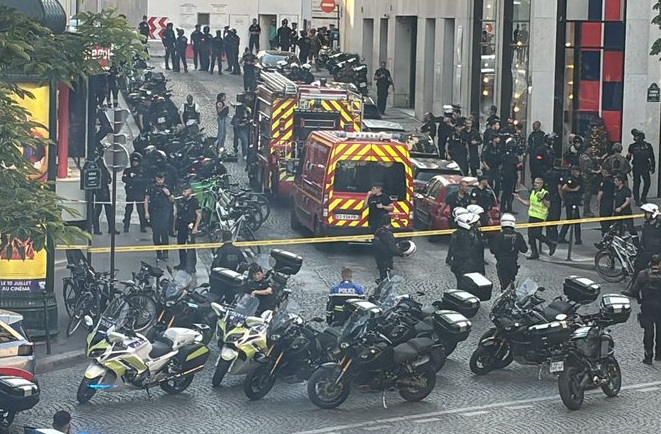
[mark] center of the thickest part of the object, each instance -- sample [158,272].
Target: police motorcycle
[295,350]
[526,333]
[372,362]
[180,305]
[125,358]
[589,359]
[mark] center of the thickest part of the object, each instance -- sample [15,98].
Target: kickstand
[383,399]
[148,393]
[539,375]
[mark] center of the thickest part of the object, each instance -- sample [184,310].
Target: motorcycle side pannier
[191,356]
[580,289]
[451,325]
[549,334]
[286,262]
[476,284]
[461,301]
[17,393]
[615,307]
[224,278]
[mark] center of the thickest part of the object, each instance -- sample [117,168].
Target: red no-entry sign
[328,6]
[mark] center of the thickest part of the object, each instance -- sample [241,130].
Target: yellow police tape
[348,238]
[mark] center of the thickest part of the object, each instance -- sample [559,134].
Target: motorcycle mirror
[88,321]
[438,304]
[317,319]
[541,289]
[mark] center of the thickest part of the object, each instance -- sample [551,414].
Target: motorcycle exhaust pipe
[184,374]
[421,361]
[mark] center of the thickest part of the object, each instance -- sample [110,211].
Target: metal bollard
[48,349]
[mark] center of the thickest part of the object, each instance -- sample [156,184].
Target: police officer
[538,205]
[617,163]
[195,38]
[189,215]
[158,210]
[474,140]
[506,246]
[445,128]
[113,85]
[205,48]
[647,290]
[385,248]
[650,242]
[492,156]
[553,180]
[227,256]
[169,41]
[606,198]
[482,196]
[643,163]
[103,195]
[622,203]
[255,30]
[135,184]
[589,163]
[429,126]
[541,153]
[233,41]
[460,198]
[261,288]
[249,60]
[457,149]
[217,46]
[379,205]
[510,168]
[572,191]
[180,51]
[466,250]
[347,286]
[190,112]
[572,154]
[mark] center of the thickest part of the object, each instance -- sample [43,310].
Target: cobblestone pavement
[511,400]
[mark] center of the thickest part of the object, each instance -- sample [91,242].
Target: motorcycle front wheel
[259,382]
[220,372]
[6,418]
[325,391]
[569,385]
[85,391]
[425,376]
[612,388]
[176,385]
[483,361]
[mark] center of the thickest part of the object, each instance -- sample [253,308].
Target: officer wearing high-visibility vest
[538,209]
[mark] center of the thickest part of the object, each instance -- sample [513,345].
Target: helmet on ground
[475,209]
[507,220]
[651,208]
[459,211]
[161,156]
[466,220]
[407,247]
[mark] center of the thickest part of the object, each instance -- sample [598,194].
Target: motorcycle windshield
[526,290]
[114,316]
[388,291]
[246,306]
[354,325]
[180,282]
[284,316]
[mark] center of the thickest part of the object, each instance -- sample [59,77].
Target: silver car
[16,350]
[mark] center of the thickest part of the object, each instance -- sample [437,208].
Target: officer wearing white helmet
[476,209]
[506,246]
[466,251]
[650,242]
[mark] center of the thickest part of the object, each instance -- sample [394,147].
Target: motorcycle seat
[428,311]
[556,308]
[421,344]
[404,352]
[423,327]
[160,347]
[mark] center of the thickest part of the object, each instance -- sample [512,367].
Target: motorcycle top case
[192,355]
[549,334]
[615,307]
[461,301]
[580,289]
[227,278]
[286,262]
[476,284]
[17,393]
[451,325]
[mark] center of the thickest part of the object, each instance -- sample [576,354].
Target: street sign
[116,157]
[156,26]
[120,139]
[328,6]
[91,178]
[653,93]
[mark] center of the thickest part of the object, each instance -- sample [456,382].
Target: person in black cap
[379,205]
[62,421]
[189,215]
[572,191]
[641,155]
[195,38]
[482,196]
[158,209]
[457,148]
[493,110]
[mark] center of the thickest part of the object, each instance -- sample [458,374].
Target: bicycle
[83,278]
[615,259]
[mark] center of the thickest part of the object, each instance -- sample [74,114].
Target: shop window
[488,64]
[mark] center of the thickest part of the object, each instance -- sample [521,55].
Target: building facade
[566,63]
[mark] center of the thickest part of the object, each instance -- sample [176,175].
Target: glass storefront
[488,62]
[520,59]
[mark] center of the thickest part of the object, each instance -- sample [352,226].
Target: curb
[55,362]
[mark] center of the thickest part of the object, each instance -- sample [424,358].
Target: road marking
[414,417]
[649,389]
[519,407]
[474,413]
[377,428]
[431,419]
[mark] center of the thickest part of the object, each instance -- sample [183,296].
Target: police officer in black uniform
[474,140]
[606,198]
[113,85]
[195,37]
[103,195]
[180,51]
[233,41]
[227,256]
[554,179]
[261,288]
[379,205]
[135,184]
[643,163]
[189,215]
[506,246]
[492,158]
[647,290]
[482,196]
[445,128]
[572,192]
[510,167]
[169,40]
[205,48]
[158,205]
[457,147]
[541,153]
[249,60]
[190,111]
[217,47]
[466,250]
[385,247]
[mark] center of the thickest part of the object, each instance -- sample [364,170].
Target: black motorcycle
[589,361]
[370,361]
[19,391]
[527,333]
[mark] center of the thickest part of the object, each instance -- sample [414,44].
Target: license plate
[347,216]
[160,120]
[557,366]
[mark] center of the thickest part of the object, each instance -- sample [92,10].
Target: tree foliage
[656,46]
[30,209]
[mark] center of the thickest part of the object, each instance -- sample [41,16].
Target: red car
[429,202]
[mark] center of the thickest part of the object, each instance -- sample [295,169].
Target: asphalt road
[514,400]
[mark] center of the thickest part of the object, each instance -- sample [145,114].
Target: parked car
[424,169]
[428,203]
[267,60]
[16,350]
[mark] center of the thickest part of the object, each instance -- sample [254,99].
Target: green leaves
[656,46]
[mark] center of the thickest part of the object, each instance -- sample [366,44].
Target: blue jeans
[243,134]
[222,131]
